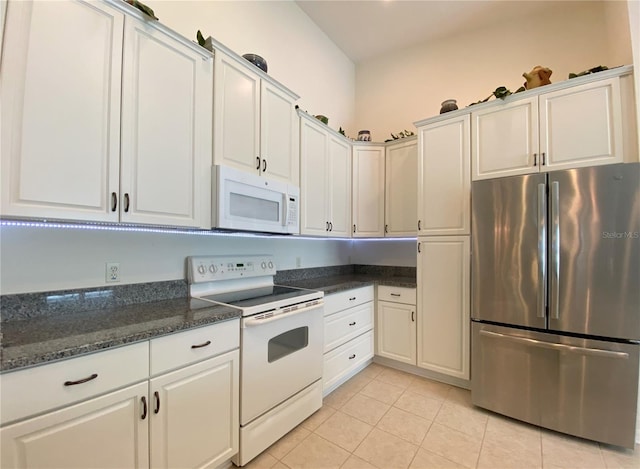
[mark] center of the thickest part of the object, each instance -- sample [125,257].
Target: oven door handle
[252,322]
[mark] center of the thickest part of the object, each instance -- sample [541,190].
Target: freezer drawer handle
[559,347]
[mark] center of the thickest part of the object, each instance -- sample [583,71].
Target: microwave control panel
[212,268]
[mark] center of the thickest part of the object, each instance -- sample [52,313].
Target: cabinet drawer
[183,348]
[341,361]
[347,324]
[35,390]
[346,299]
[397,294]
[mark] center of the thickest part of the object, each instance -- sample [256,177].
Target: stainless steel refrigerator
[556,299]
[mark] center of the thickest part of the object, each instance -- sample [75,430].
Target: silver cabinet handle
[555,250]
[595,352]
[542,248]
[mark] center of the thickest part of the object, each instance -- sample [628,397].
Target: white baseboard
[461,383]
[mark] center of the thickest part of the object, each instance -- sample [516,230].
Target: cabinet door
[166,129]
[339,188]
[277,130]
[236,115]
[505,139]
[314,179]
[61,110]
[401,191]
[368,191]
[195,414]
[582,126]
[110,431]
[397,331]
[443,305]
[444,188]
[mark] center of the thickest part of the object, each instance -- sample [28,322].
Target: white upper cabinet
[325,192]
[167,106]
[580,122]
[61,110]
[368,190]
[401,191]
[64,155]
[254,120]
[444,180]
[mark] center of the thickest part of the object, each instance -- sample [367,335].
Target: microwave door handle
[285,206]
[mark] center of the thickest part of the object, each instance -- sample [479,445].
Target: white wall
[43,259]
[395,90]
[298,54]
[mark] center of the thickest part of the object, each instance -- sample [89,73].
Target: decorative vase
[448,105]
[364,136]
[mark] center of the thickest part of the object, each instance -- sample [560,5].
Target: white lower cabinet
[443,305]
[103,410]
[194,414]
[348,335]
[396,328]
[105,432]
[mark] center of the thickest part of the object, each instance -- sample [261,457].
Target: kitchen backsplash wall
[36,259]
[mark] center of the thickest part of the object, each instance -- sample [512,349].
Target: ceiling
[368,28]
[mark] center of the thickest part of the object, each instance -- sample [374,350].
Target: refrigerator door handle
[594,352]
[555,251]
[542,249]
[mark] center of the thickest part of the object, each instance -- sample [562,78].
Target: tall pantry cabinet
[443,274]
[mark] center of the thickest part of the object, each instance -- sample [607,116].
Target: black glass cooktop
[258,296]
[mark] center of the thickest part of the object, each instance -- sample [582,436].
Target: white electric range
[281,344]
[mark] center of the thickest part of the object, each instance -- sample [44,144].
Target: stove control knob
[263,265]
[201,269]
[270,265]
[213,269]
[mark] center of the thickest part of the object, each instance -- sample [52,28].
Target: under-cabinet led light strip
[169,230]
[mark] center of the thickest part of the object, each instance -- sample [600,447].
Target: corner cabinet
[443,277]
[368,190]
[401,188]
[65,102]
[325,180]
[255,122]
[444,181]
[580,122]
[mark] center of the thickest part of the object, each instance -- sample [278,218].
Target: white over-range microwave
[249,202]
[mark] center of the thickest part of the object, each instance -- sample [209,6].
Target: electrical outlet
[112,272]
[298,262]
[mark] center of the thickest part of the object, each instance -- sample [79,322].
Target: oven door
[281,355]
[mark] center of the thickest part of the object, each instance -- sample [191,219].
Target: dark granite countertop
[41,327]
[33,341]
[338,283]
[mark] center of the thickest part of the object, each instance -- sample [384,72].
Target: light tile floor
[387,419]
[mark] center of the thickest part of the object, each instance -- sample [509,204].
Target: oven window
[287,343]
[254,208]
